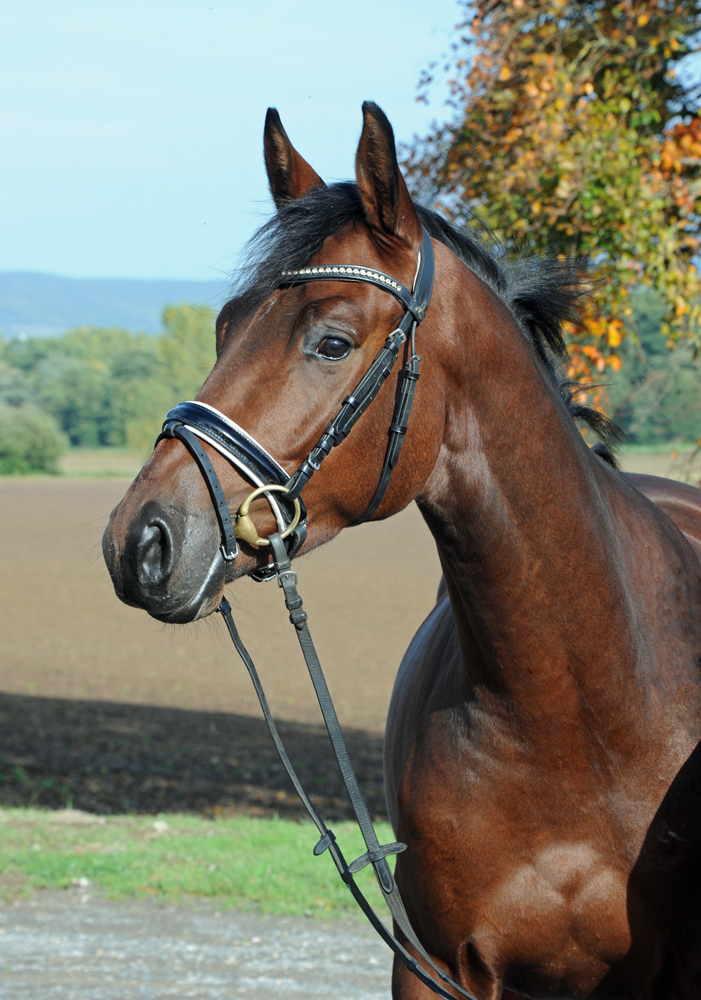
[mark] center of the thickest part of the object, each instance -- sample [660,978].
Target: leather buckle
[286,573]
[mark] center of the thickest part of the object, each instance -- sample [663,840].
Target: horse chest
[544,910]
[525,870]
[563,912]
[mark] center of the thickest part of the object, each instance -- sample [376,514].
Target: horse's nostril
[155,553]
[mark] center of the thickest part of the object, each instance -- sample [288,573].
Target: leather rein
[193,423]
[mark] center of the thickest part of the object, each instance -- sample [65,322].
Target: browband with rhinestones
[349,272]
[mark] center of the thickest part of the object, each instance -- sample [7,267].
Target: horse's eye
[333,348]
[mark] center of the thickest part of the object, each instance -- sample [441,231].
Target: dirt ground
[106,710]
[106,757]
[103,708]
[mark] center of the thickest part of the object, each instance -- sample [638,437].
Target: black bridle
[192,423]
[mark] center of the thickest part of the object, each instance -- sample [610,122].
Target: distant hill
[44,305]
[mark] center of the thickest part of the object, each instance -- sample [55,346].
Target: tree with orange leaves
[576,131]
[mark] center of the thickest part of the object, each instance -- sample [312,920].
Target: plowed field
[107,710]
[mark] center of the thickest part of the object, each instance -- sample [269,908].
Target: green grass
[262,864]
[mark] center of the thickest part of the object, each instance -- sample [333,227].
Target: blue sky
[132,131]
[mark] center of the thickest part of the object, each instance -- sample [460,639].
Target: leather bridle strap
[408,378]
[414,302]
[249,456]
[229,547]
[354,405]
[327,840]
[194,422]
[376,853]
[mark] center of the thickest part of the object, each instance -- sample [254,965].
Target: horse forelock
[541,291]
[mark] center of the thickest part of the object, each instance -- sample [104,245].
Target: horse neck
[521,513]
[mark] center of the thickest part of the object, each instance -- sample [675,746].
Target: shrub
[30,441]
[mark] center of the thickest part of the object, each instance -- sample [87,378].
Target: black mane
[542,292]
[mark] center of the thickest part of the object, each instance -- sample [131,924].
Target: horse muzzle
[165,561]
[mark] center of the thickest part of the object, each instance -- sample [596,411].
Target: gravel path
[73,945]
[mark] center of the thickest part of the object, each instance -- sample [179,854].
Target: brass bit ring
[244,527]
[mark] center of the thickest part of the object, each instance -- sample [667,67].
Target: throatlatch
[194,422]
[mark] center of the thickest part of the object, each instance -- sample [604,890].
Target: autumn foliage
[575,131]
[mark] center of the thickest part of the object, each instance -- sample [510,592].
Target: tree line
[575,130]
[95,387]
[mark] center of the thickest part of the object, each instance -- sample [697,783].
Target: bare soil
[107,710]
[109,758]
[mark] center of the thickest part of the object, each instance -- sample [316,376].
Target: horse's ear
[388,205]
[289,174]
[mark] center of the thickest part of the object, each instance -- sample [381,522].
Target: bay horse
[541,747]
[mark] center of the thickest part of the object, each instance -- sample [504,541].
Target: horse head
[287,356]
